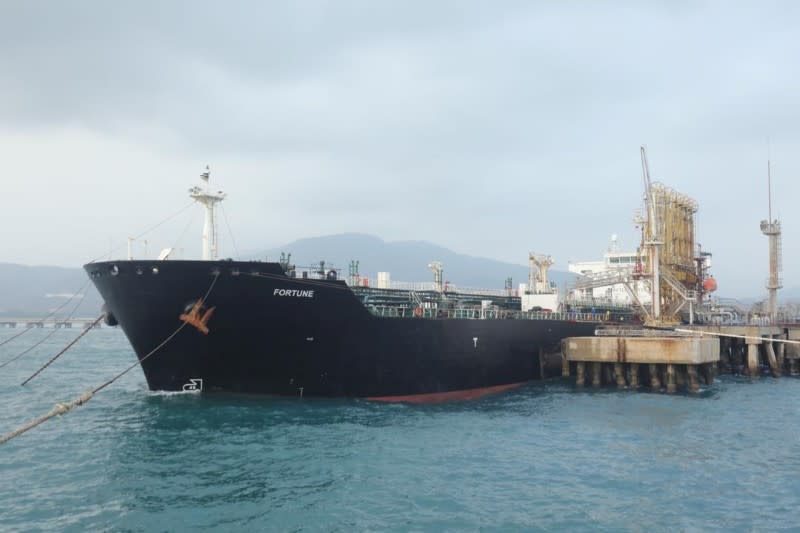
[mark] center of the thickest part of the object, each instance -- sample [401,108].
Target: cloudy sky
[491,128]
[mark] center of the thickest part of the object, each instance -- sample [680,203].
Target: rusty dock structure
[684,339]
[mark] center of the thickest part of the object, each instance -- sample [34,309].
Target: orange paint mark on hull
[456,395]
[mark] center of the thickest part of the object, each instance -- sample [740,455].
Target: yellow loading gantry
[668,239]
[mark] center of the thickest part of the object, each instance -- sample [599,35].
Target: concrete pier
[682,359]
[616,359]
[647,350]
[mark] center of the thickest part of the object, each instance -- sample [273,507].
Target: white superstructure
[539,293]
[614,263]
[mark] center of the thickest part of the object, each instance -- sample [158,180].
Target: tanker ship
[273,328]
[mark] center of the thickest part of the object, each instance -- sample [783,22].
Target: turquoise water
[543,457]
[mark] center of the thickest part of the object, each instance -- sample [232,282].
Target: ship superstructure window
[622,260]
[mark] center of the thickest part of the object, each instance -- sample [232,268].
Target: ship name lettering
[297,293]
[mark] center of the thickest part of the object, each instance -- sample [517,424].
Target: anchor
[197,318]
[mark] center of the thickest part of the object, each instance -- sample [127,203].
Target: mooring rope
[57,309]
[179,240]
[70,345]
[59,409]
[148,230]
[23,332]
[746,337]
[230,232]
[43,339]
[62,408]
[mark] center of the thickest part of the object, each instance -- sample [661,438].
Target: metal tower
[668,235]
[651,234]
[772,229]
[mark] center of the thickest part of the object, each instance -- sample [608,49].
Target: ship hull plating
[269,333]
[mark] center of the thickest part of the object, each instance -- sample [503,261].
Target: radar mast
[209,200]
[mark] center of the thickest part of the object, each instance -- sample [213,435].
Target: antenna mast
[772,229]
[209,200]
[769,189]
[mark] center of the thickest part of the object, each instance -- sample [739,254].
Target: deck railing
[429,286]
[480,314]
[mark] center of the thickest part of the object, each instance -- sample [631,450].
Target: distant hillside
[405,260]
[36,290]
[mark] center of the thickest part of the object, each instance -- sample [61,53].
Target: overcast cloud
[490,128]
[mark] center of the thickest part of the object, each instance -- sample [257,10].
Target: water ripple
[543,457]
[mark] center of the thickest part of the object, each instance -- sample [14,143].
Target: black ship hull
[270,333]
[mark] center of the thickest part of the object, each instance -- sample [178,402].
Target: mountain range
[27,291]
[405,260]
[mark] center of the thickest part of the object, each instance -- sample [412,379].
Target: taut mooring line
[70,345]
[61,408]
[51,313]
[148,230]
[29,348]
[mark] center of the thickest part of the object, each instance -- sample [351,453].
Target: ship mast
[209,200]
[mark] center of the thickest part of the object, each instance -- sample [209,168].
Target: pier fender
[109,319]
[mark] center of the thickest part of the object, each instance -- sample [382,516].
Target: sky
[490,128]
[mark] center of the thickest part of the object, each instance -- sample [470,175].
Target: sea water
[546,456]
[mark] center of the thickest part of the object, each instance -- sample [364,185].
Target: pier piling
[619,372]
[608,373]
[691,373]
[792,366]
[772,359]
[655,382]
[670,378]
[595,369]
[634,380]
[752,358]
